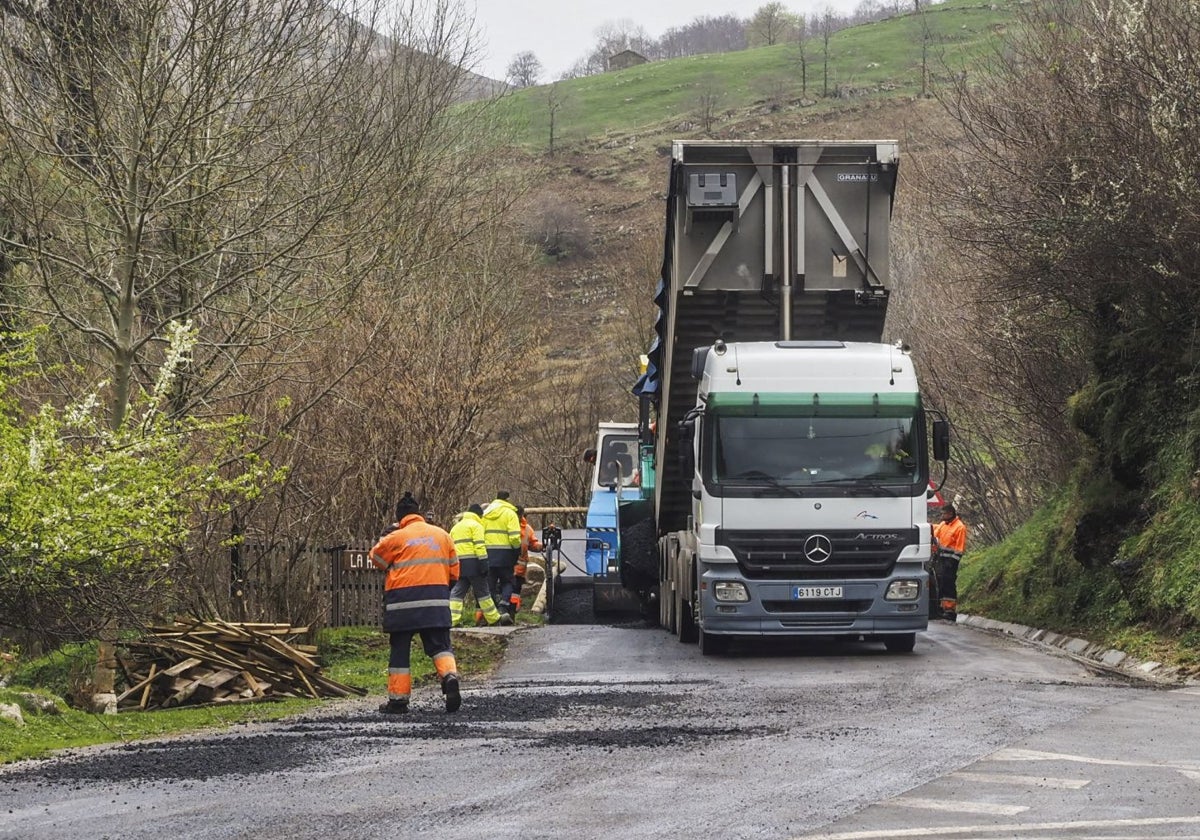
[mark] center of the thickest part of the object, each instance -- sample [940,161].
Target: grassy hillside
[881,59]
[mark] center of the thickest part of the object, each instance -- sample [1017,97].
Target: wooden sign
[355,560]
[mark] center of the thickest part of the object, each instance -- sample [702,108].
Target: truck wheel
[900,642]
[666,606]
[685,626]
[713,645]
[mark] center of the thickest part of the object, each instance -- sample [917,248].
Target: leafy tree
[524,70]
[769,25]
[92,519]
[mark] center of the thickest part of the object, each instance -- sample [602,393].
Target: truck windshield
[803,450]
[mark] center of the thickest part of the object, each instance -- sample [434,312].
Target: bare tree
[769,25]
[299,189]
[612,37]
[710,95]
[556,98]
[825,29]
[202,167]
[726,33]
[924,36]
[802,35]
[558,228]
[524,70]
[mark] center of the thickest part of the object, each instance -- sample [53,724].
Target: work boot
[450,689]
[394,707]
[505,620]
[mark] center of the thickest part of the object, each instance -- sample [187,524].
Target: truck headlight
[730,591]
[903,590]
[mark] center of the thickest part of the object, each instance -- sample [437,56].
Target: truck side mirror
[941,440]
[699,358]
[687,459]
[589,456]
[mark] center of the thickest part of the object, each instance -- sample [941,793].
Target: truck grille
[839,606]
[853,554]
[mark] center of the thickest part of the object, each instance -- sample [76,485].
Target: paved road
[593,732]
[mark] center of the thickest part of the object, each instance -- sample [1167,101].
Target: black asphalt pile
[193,662]
[603,720]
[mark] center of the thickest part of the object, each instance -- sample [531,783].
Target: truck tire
[900,642]
[666,606]
[639,556]
[685,626]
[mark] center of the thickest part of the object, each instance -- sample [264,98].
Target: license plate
[799,593]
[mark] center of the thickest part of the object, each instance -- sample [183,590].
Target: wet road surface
[606,731]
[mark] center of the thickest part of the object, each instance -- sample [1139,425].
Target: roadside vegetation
[352,655]
[1071,356]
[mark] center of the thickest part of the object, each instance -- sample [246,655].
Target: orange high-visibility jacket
[528,540]
[421,565]
[951,537]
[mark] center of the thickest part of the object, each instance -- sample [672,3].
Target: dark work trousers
[501,562]
[947,582]
[434,639]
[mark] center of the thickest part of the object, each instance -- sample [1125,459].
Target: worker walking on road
[502,535]
[949,543]
[469,545]
[421,565]
[529,541]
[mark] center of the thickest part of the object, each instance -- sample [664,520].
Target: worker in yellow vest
[471,549]
[502,536]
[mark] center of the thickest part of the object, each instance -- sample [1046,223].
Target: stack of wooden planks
[194,662]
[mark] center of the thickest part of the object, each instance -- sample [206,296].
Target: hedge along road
[617,731]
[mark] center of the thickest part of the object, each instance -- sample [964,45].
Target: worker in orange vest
[529,541]
[421,565]
[949,543]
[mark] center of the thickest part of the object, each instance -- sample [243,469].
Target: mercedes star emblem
[818,548]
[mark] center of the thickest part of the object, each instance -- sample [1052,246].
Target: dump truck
[784,448]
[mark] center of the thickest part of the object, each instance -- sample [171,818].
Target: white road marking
[1037,755]
[958,806]
[1035,781]
[1010,829]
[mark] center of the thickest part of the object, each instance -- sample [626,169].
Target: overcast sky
[560,32]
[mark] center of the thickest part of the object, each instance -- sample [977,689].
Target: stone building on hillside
[625,58]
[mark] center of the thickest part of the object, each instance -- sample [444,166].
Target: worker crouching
[421,565]
[529,541]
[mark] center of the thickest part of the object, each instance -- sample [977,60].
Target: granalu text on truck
[783,449]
